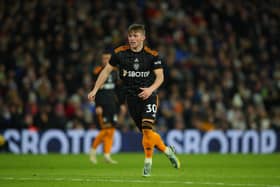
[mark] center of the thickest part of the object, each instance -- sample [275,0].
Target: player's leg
[108,143]
[110,114]
[135,107]
[151,138]
[148,129]
[99,138]
[97,141]
[148,146]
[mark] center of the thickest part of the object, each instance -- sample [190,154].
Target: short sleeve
[114,60]
[157,62]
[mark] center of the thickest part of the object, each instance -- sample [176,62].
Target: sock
[158,142]
[92,155]
[92,152]
[108,140]
[107,156]
[98,139]
[148,142]
[148,160]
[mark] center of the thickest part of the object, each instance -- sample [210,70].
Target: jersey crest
[136,66]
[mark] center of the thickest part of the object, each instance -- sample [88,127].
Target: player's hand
[91,96]
[146,93]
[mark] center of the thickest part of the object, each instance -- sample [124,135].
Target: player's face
[136,39]
[105,58]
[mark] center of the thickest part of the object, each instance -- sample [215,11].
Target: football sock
[107,156]
[98,139]
[148,160]
[148,142]
[108,140]
[92,152]
[158,142]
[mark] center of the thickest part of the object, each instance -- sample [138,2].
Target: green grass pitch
[209,170]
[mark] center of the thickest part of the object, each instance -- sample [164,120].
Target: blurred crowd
[222,61]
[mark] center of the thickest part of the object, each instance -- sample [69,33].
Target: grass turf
[197,171]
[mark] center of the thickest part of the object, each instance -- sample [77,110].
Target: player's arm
[159,79]
[100,81]
[146,92]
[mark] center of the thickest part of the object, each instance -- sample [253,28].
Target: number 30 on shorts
[151,108]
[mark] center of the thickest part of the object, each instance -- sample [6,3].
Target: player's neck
[138,48]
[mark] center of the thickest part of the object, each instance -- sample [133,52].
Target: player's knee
[147,124]
[123,110]
[99,110]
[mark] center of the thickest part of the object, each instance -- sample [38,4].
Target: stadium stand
[222,59]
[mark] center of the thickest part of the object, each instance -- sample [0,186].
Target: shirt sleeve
[157,62]
[114,60]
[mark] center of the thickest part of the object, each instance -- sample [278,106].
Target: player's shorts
[142,109]
[110,110]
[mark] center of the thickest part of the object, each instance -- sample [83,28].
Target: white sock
[107,156]
[92,151]
[148,160]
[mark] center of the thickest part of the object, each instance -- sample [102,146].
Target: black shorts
[108,102]
[142,109]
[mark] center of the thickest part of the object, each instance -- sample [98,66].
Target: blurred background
[222,61]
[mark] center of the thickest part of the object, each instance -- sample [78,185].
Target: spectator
[221,56]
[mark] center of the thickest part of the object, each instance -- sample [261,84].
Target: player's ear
[144,37]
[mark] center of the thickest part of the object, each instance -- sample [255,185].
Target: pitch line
[133,181]
[235,177]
